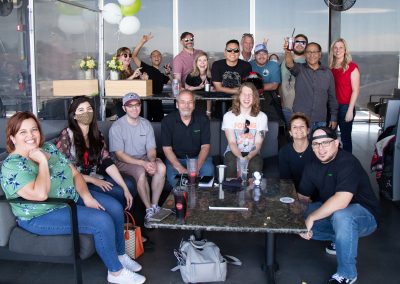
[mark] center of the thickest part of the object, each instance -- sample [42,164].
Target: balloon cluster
[123,15]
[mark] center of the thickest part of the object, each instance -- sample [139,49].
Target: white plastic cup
[242,165]
[221,173]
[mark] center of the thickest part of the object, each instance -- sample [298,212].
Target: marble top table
[269,215]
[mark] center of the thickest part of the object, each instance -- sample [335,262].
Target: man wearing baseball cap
[347,209]
[269,70]
[133,143]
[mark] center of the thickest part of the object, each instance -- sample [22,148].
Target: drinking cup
[221,173]
[180,197]
[242,164]
[290,43]
[191,166]
[207,87]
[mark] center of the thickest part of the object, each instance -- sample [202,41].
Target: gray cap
[260,47]
[130,97]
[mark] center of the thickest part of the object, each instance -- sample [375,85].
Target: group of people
[341,206]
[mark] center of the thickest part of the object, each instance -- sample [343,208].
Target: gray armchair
[21,245]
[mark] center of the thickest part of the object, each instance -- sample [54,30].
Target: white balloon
[126,2]
[72,24]
[112,13]
[129,25]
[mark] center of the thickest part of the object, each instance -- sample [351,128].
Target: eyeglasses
[188,39]
[324,144]
[131,106]
[126,55]
[312,52]
[246,126]
[302,42]
[235,50]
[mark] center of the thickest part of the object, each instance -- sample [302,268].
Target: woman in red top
[347,83]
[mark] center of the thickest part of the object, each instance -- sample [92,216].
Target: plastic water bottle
[175,87]
[256,190]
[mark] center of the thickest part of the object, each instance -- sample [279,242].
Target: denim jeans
[287,114]
[107,227]
[316,124]
[206,170]
[116,191]
[345,128]
[344,227]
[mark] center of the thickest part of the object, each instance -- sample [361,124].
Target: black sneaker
[331,249]
[337,279]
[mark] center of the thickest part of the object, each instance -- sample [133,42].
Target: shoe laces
[338,277]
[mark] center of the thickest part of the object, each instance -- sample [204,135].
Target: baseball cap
[260,47]
[329,133]
[130,97]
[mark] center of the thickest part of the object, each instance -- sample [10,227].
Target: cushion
[21,242]
[7,222]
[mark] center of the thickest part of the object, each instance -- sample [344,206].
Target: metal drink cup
[290,43]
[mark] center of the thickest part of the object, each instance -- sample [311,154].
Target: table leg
[145,109]
[270,263]
[198,235]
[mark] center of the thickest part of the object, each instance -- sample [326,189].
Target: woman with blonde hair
[124,55]
[200,76]
[347,83]
[245,127]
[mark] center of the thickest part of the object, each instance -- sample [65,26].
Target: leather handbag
[133,237]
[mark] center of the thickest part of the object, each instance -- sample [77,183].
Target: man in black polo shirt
[347,209]
[186,134]
[153,71]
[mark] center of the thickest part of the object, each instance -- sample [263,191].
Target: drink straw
[293,31]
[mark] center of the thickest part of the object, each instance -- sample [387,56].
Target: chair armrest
[72,209]
[378,96]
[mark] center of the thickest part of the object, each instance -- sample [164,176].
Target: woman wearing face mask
[83,144]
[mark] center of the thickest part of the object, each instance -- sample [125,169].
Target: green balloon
[132,9]
[66,9]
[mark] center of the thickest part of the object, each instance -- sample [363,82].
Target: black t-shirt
[291,163]
[230,76]
[344,173]
[186,141]
[195,81]
[158,78]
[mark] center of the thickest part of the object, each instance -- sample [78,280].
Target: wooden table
[269,215]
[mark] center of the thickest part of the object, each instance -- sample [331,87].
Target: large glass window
[14,57]
[371,30]
[214,23]
[64,34]
[276,20]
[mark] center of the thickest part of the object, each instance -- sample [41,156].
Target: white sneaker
[156,208]
[149,214]
[129,263]
[126,277]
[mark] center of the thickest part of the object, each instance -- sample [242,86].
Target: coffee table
[269,215]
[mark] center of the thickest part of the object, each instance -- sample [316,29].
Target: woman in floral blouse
[83,144]
[35,170]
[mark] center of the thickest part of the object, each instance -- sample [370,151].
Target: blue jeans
[107,227]
[345,128]
[316,124]
[206,170]
[287,114]
[344,227]
[116,191]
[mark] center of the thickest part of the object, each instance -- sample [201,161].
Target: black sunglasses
[189,39]
[303,42]
[235,50]
[127,55]
[246,126]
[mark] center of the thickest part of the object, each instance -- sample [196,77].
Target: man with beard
[247,44]
[182,64]
[227,74]
[347,208]
[288,80]
[185,134]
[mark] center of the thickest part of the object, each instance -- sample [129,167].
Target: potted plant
[115,66]
[88,64]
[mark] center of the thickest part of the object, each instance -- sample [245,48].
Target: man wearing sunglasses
[348,208]
[315,87]
[227,74]
[247,44]
[182,64]
[288,80]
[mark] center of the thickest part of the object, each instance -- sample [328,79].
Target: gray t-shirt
[134,140]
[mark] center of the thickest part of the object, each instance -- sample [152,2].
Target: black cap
[330,133]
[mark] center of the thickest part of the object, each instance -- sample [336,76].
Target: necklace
[299,153]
